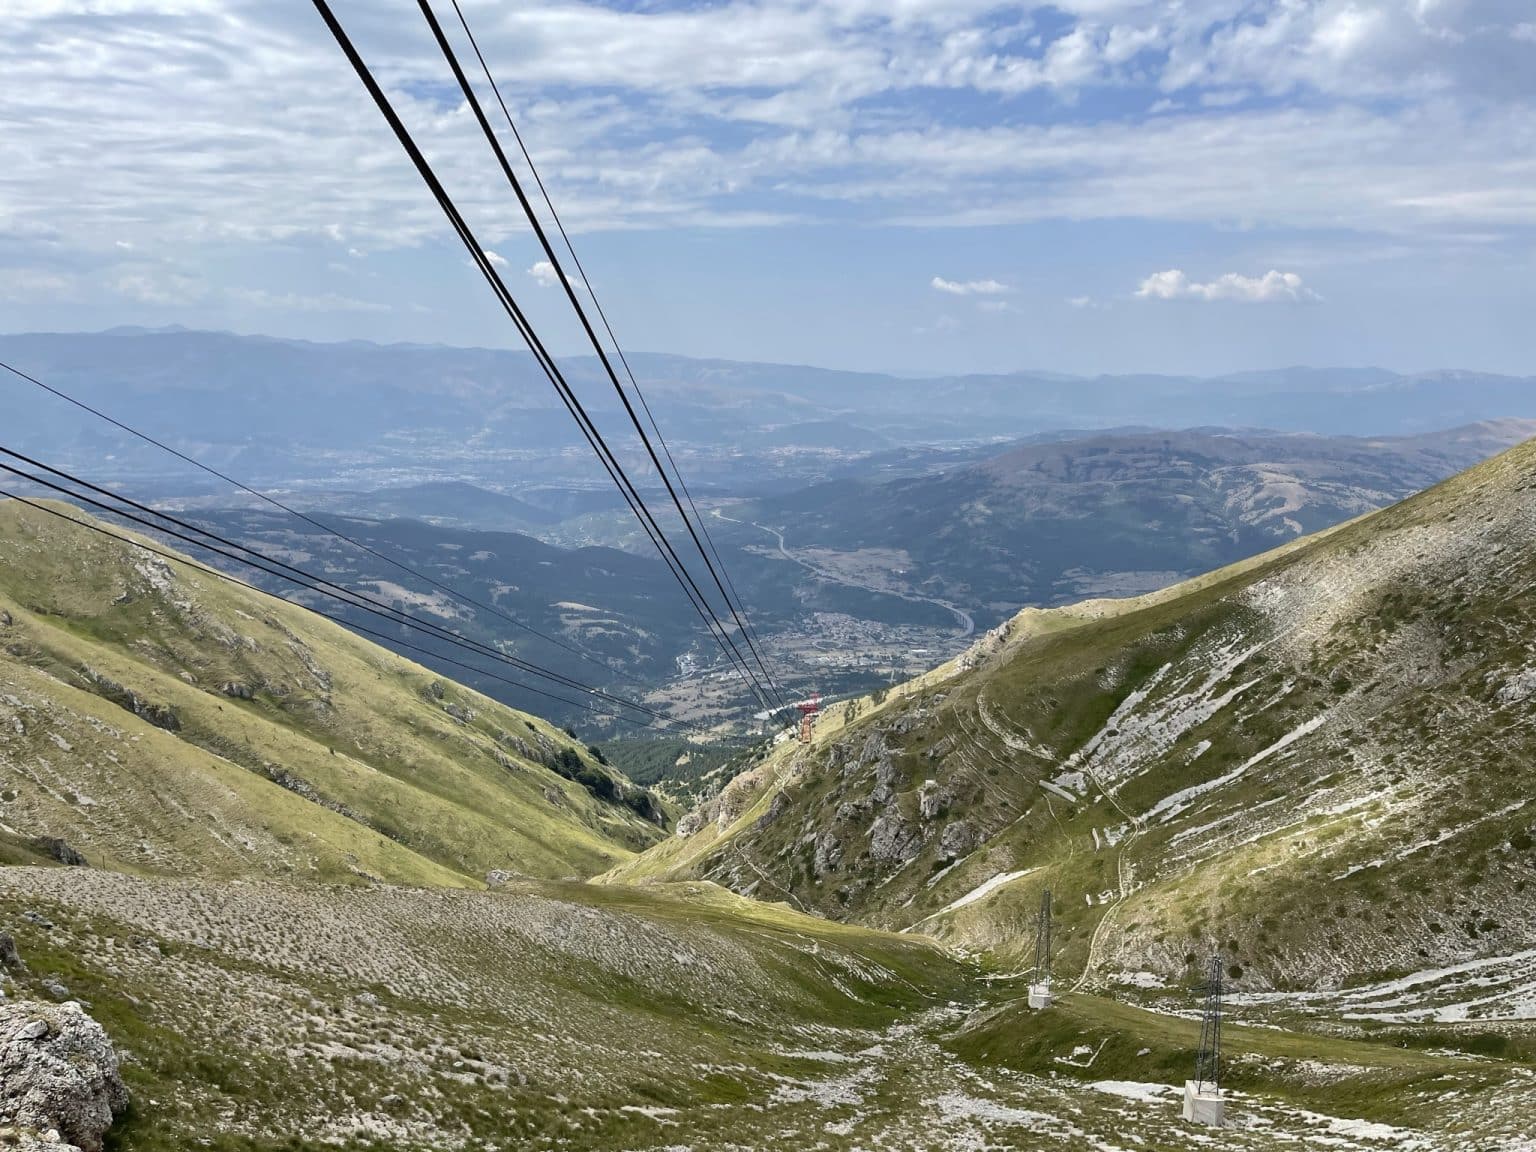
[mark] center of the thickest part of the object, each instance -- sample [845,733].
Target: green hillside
[1315,761]
[159,720]
[1318,761]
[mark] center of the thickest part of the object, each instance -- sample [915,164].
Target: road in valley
[967,624]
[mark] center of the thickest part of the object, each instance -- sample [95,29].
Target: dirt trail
[967,623]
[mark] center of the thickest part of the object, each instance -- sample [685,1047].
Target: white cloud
[496,259]
[27,285]
[749,114]
[969,287]
[544,272]
[300,302]
[1271,288]
[159,286]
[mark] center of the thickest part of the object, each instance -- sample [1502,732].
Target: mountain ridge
[1189,768]
[138,693]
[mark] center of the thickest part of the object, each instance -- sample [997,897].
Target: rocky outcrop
[160,715]
[779,805]
[58,1074]
[828,854]
[886,776]
[932,800]
[60,850]
[958,839]
[544,753]
[10,959]
[1518,688]
[893,841]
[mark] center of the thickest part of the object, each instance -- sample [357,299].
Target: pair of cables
[755,671]
[81,492]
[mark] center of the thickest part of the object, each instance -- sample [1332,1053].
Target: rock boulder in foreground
[58,1074]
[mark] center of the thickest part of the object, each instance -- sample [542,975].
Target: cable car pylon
[1203,1102]
[1040,986]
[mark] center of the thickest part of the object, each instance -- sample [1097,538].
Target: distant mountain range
[294,410]
[1113,514]
[869,522]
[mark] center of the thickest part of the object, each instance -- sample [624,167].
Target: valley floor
[661,1019]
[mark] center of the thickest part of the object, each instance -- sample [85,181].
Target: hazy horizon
[1039,370]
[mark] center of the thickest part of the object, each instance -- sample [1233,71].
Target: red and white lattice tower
[808,710]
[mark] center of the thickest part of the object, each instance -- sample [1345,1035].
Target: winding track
[1012,741]
[967,623]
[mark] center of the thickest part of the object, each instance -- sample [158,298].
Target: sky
[1184,186]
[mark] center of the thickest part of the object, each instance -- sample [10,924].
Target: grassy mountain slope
[673,1017]
[233,768]
[161,720]
[1319,761]
[539,1015]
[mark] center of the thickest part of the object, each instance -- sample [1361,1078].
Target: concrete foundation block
[1039,996]
[1205,1108]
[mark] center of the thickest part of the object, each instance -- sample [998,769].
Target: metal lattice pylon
[1043,940]
[1208,1060]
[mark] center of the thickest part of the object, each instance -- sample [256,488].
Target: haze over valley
[868,544]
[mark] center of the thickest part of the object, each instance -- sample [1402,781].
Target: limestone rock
[779,805]
[957,839]
[49,1141]
[851,810]
[235,690]
[1518,688]
[932,800]
[828,855]
[58,1072]
[690,823]
[496,877]
[736,799]
[61,850]
[893,841]
[9,957]
[873,750]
